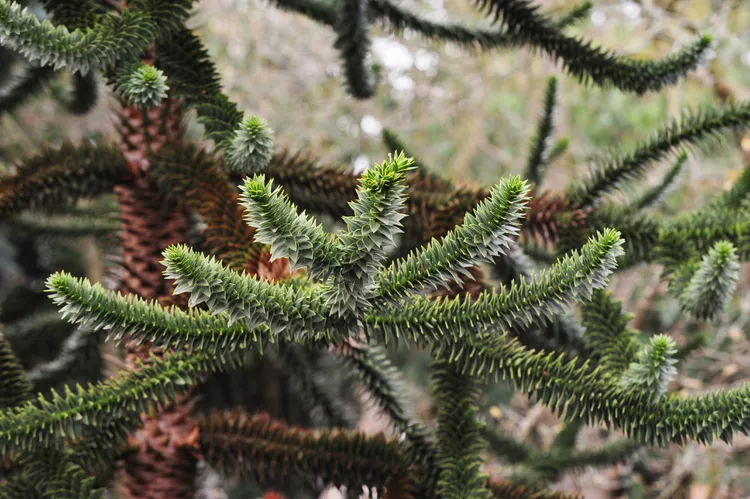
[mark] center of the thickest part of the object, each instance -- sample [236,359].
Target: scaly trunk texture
[163,456]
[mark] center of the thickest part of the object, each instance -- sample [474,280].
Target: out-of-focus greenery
[470,115]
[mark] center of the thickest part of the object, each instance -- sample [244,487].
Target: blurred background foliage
[470,116]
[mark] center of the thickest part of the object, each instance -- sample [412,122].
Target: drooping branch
[525,24]
[258,447]
[59,176]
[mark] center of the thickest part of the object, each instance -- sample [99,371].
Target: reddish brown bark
[163,455]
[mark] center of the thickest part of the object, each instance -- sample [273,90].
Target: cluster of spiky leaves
[244,313]
[349,284]
[252,146]
[654,368]
[704,288]
[141,85]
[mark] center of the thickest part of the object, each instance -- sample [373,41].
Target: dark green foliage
[353,41]
[51,474]
[66,225]
[74,354]
[537,468]
[14,389]
[459,437]
[259,448]
[386,387]
[84,94]
[506,446]
[540,144]
[736,196]
[28,84]
[358,290]
[607,334]
[43,424]
[657,193]
[691,129]
[192,75]
[526,25]
[110,40]
[61,176]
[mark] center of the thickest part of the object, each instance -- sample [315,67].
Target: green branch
[14,388]
[526,24]
[141,320]
[353,42]
[258,448]
[540,144]
[710,284]
[657,193]
[485,234]
[290,235]
[369,236]
[111,39]
[193,76]
[56,177]
[691,129]
[459,435]
[46,423]
[290,310]
[523,303]
[607,335]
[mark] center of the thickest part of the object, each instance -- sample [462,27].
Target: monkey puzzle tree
[277,282]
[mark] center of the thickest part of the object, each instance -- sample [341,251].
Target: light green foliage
[272,215]
[530,301]
[369,236]
[485,234]
[112,39]
[142,85]
[706,288]
[654,368]
[88,303]
[252,146]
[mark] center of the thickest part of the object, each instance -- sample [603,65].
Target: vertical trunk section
[163,456]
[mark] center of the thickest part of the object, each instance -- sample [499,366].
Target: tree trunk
[163,456]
